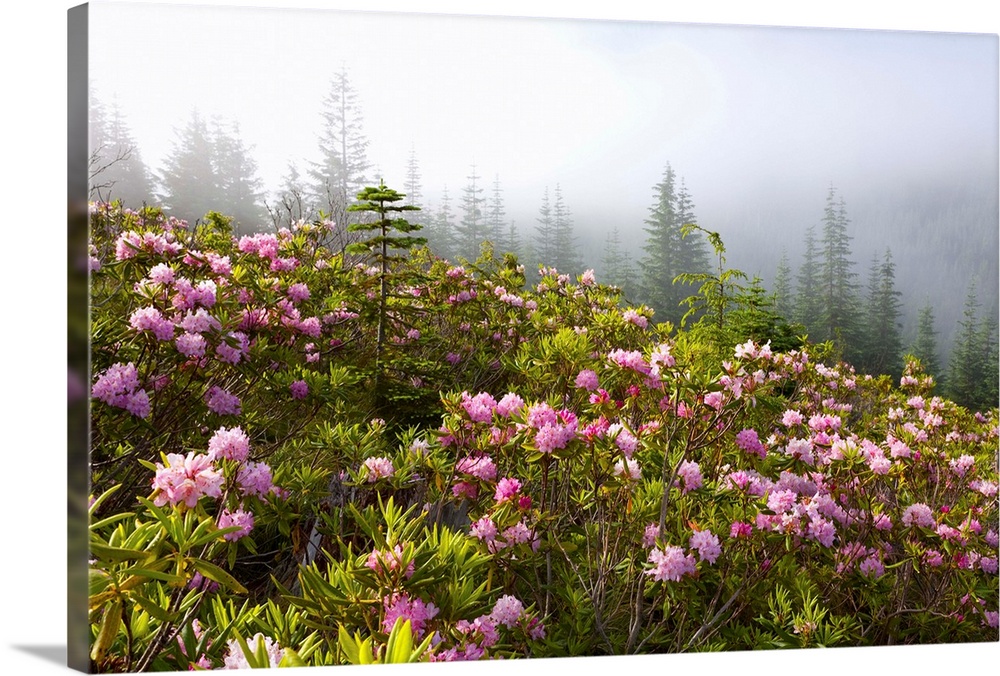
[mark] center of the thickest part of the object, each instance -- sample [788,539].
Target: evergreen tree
[470,231]
[189,179]
[925,348]
[116,167]
[667,255]
[617,265]
[838,320]
[807,303]
[240,188]
[340,172]
[783,300]
[414,194]
[512,240]
[882,345]
[496,227]
[381,201]
[969,365]
[441,230]
[544,248]
[565,257]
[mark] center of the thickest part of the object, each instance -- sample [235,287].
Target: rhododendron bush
[544,471]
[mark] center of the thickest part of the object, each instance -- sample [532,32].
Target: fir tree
[116,167]
[240,188]
[189,179]
[414,194]
[969,364]
[441,229]
[838,320]
[807,304]
[882,345]
[291,203]
[564,255]
[544,248]
[925,347]
[380,202]
[496,227]
[617,264]
[470,231]
[340,171]
[783,300]
[667,255]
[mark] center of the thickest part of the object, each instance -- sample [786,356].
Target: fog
[759,122]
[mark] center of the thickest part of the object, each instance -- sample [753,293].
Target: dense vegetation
[327,445]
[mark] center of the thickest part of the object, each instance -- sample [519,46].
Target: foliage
[554,473]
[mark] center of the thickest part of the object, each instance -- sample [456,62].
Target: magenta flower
[707,545]
[507,488]
[401,607]
[747,440]
[587,380]
[238,518]
[670,563]
[221,402]
[690,472]
[231,444]
[918,514]
[509,404]
[254,478]
[378,468]
[480,407]
[186,479]
[391,560]
[480,466]
[191,345]
[507,610]
[299,389]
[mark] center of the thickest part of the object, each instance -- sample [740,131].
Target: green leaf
[291,659]
[216,574]
[117,554]
[154,610]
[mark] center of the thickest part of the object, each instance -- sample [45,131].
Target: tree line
[210,168]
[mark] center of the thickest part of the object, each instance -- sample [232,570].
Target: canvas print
[427,338]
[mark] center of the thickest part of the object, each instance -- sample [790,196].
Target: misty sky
[759,122]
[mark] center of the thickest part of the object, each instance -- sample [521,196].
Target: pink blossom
[239,518]
[670,563]
[221,402]
[507,610]
[150,319]
[791,418]
[401,607]
[628,468]
[739,529]
[232,444]
[507,488]
[378,468]
[650,534]
[186,479]
[748,441]
[232,354]
[235,659]
[587,380]
[254,478]
[707,545]
[918,514]
[690,472]
[480,407]
[390,560]
[484,529]
[191,344]
[480,466]
[299,389]
[509,405]
[298,292]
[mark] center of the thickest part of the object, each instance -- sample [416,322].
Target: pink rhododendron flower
[670,563]
[484,529]
[254,478]
[480,466]
[507,488]
[299,389]
[507,610]
[628,468]
[185,479]
[587,380]
[391,560]
[480,407]
[707,545]
[221,402]
[509,405]
[150,319]
[378,468]
[191,344]
[232,444]
[401,607]
[650,534]
[748,441]
[690,473]
[235,659]
[918,514]
[238,518]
